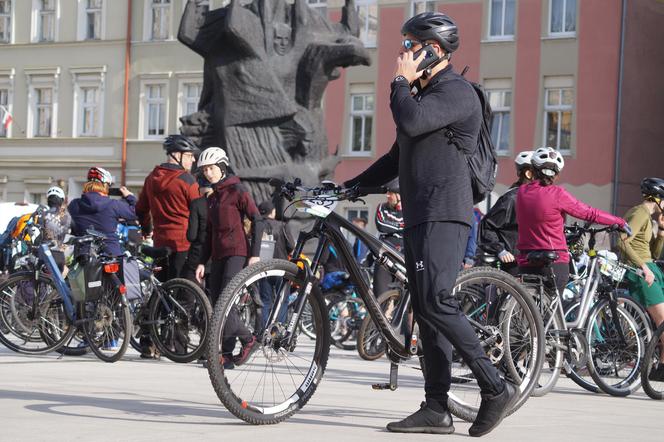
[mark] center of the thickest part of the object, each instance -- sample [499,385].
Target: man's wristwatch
[399,78]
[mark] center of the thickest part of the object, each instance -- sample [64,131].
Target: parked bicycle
[284,371]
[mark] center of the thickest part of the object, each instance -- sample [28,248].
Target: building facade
[552,68]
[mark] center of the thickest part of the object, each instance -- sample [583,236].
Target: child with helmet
[541,210]
[227,245]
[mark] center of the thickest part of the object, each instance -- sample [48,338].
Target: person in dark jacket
[227,245]
[197,229]
[57,223]
[498,228]
[94,209]
[163,206]
[360,249]
[277,232]
[436,193]
[389,223]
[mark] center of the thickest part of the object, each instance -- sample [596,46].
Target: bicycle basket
[610,266]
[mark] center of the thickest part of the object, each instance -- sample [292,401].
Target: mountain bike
[281,372]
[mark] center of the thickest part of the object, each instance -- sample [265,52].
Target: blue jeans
[268,288]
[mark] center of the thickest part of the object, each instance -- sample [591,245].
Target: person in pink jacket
[541,209]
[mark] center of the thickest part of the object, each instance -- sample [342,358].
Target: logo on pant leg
[419,266]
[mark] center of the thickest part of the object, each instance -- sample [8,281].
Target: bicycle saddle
[542,257]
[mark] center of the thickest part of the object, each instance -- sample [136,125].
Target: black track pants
[434,252]
[221,273]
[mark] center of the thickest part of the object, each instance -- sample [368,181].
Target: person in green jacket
[640,248]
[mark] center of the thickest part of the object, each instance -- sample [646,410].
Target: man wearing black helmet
[163,207]
[437,204]
[640,249]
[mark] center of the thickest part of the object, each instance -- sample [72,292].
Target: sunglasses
[409,44]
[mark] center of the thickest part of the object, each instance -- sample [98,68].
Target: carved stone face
[282,38]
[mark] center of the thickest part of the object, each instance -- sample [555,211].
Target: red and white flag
[6,117]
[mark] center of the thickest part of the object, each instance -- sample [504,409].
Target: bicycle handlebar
[326,191]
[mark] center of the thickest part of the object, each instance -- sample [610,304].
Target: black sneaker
[493,409]
[657,375]
[424,420]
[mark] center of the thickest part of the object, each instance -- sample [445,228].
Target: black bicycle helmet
[393,186]
[434,26]
[653,187]
[179,143]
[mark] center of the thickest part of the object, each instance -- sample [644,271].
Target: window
[46,20]
[317,3]
[4,107]
[154,110]
[558,105]
[93,17]
[500,101]
[501,19]
[352,214]
[562,17]
[368,14]
[191,94]
[361,123]
[160,16]
[419,6]
[43,112]
[5,21]
[88,103]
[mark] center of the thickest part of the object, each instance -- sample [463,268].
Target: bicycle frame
[327,228]
[63,289]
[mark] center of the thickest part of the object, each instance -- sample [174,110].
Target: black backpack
[483,165]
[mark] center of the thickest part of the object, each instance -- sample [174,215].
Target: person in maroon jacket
[227,244]
[163,206]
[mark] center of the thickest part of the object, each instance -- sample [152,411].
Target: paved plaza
[51,399]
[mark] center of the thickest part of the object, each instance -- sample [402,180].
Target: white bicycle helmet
[101,175]
[523,159]
[55,190]
[548,160]
[213,155]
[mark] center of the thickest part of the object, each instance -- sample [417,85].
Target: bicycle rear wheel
[107,325]
[370,342]
[651,378]
[32,314]
[346,314]
[509,329]
[179,318]
[616,349]
[269,382]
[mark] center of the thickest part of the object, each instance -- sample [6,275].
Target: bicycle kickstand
[392,385]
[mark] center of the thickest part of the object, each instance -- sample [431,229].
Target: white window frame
[317,3]
[413,3]
[147,21]
[83,78]
[82,23]
[36,22]
[364,26]
[10,18]
[143,117]
[501,86]
[563,33]
[37,79]
[183,100]
[359,209]
[7,83]
[560,84]
[502,36]
[363,92]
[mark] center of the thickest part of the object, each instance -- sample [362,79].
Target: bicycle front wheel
[267,378]
[32,315]
[179,318]
[616,349]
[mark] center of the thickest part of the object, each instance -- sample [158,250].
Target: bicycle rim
[107,326]
[651,378]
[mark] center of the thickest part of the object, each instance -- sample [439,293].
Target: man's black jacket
[433,174]
[498,228]
[197,230]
